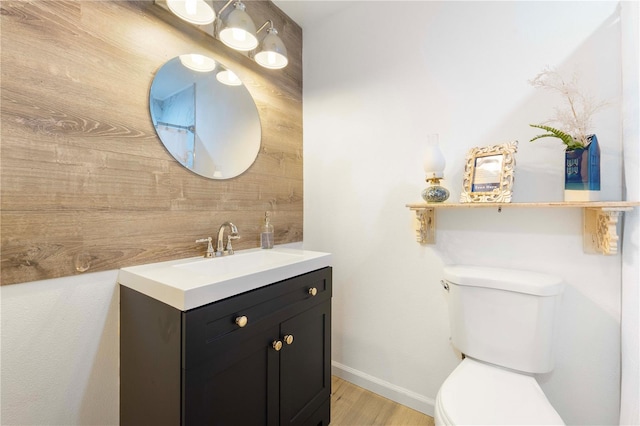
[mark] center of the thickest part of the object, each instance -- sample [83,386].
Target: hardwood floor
[352,405]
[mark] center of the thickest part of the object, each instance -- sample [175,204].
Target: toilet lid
[477,393]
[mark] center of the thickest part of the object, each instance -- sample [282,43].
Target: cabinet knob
[288,339]
[313,291]
[277,345]
[242,321]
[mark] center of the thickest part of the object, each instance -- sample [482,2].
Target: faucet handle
[208,240]
[230,237]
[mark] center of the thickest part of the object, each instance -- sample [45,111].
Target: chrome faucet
[221,250]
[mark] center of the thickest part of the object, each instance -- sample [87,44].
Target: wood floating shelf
[600,220]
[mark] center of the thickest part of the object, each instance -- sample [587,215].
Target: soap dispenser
[266,235]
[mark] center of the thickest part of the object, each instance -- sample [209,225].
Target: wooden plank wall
[85,182]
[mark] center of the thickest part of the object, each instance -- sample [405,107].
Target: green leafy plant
[572,122]
[570,142]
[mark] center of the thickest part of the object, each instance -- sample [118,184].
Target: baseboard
[383,388]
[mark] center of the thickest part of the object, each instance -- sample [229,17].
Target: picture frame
[488,174]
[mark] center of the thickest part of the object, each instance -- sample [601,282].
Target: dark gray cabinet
[258,358]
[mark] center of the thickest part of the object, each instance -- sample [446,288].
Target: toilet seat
[481,394]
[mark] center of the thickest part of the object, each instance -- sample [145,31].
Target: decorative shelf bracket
[601,229]
[426,230]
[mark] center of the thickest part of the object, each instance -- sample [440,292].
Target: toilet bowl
[503,321]
[476,393]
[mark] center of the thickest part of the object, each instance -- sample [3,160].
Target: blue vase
[582,172]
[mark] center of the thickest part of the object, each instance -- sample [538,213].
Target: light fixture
[195,11]
[272,52]
[199,63]
[229,78]
[238,30]
[235,29]
[434,164]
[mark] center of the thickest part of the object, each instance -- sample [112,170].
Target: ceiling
[306,12]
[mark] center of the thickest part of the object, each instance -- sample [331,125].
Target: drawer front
[209,329]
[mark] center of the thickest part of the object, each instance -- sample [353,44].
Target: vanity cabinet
[258,358]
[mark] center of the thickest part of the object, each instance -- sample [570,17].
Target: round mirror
[205,117]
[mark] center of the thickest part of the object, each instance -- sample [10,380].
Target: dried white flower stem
[577,120]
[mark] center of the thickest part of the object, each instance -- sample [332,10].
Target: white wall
[630,383]
[60,351]
[378,77]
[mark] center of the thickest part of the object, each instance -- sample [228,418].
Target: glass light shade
[229,78]
[239,31]
[434,162]
[195,11]
[273,53]
[199,63]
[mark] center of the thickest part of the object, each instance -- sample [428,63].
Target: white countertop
[189,283]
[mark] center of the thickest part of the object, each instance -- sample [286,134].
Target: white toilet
[503,322]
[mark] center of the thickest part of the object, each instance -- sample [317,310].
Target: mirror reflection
[205,117]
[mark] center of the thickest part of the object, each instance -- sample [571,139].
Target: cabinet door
[305,376]
[238,387]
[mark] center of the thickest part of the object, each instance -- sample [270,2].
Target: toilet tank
[503,316]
